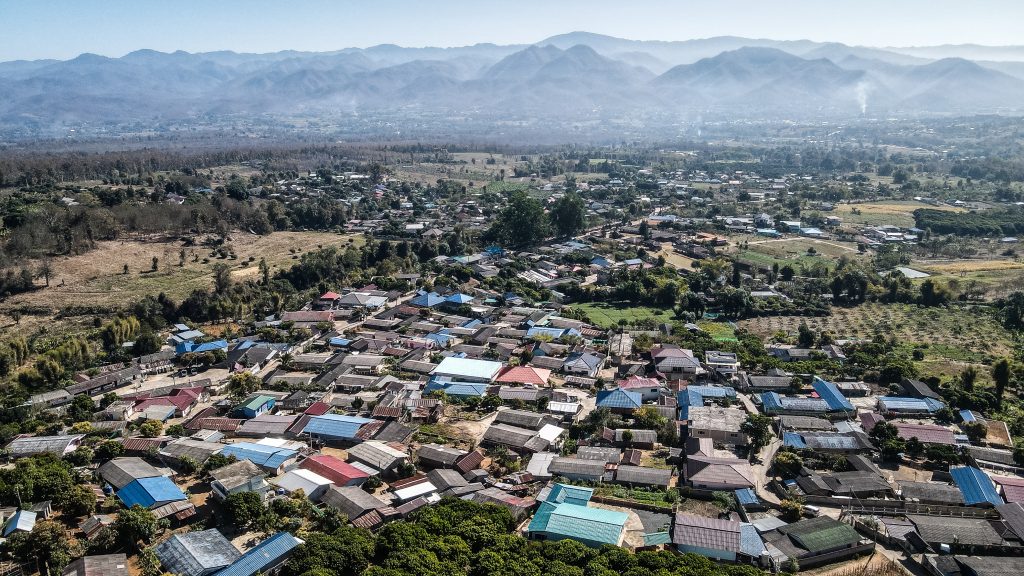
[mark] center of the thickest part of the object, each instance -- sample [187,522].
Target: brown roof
[711,533]
[469,462]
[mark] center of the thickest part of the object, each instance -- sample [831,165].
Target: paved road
[765,457]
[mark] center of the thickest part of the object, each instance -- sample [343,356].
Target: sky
[34,29]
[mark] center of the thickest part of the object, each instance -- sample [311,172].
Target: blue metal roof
[269,457]
[439,338]
[967,416]
[335,425]
[831,394]
[553,333]
[339,341]
[934,405]
[750,541]
[264,556]
[459,298]
[428,300]
[191,346]
[900,403]
[793,440]
[689,397]
[472,323]
[714,391]
[618,398]
[975,485]
[149,491]
[747,497]
[465,389]
[771,401]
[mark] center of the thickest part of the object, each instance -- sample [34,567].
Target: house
[523,419]
[20,521]
[150,492]
[956,534]
[917,389]
[643,476]
[710,537]
[522,440]
[671,360]
[1012,488]
[830,393]
[265,558]
[931,493]
[468,370]
[267,424]
[32,445]
[650,389]
[257,405]
[334,428]
[351,501]
[524,376]
[817,541]
[100,565]
[908,407]
[378,455]
[722,362]
[577,469]
[241,476]
[704,470]
[977,488]
[926,433]
[334,469]
[518,506]
[197,450]
[199,553]
[718,423]
[584,363]
[438,456]
[619,401]
[121,472]
[271,459]
[310,483]
[564,514]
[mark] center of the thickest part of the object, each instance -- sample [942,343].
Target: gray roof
[351,501]
[711,533]
[121,472]
[522,419]
[643,475]
[197,553]
[514,437]
[196,449]
[565,466]
[444,479]
[604,454]
[932,492]
[792,422]
[639,436]
[104,565]
[964,531]
[29,445]
[376,454]
[437,454]
[236,474]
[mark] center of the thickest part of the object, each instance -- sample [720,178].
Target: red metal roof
[469,462]
[334,469]
[1013,488]
[318,409]
[524,375]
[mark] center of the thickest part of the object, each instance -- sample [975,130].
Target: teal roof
[569,494]
[257,402]
[657,538]
[588,525]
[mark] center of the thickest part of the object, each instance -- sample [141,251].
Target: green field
[718,330]
[607,315]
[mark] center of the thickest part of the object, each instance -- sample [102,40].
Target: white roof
[539,463]
[301,478]
[468,368]
[281,443]
[564,407]
[410,492]
[550,432]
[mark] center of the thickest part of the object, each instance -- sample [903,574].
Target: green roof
[829,538]
[656,538]
[256,402]
[583,523]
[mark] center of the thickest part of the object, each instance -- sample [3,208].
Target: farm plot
[894,213]
[606,315]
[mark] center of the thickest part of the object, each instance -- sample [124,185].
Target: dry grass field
[97,278]
[894,212]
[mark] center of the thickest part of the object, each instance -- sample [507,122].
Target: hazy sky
[31,29]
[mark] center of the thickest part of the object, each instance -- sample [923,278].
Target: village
[391,400]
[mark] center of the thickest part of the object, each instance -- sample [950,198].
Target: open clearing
[998,277]
[607,315]
[97,279]
[963,266]
[895,213]
[674,258]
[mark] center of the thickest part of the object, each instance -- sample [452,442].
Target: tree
[1001,376]
[218,461]
[156,264]
[569,214]
[136,526]
[522,223]
[758,428]
[805,336]
[791,510]
[80,501]
[968,377]
[245,509]
[45,270]
[81,408]
[242,384]
[788,464]
[108,450]
[221,278]
[976,431]
[787,272]
[151,428]
[47,545]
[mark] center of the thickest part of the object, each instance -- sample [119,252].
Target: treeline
[993,222]
[457,537]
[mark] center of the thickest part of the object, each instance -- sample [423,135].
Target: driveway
[765,457]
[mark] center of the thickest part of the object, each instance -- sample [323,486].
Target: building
[197,553]
[102,565]
[564,514]
[619,401]
[241,476]
[977,488]
[579,469]
[310,483]
[720,424]
[257,405]
[121,472]
[334,469]
[265,558]
[351,501]
[32,445]
[335,428]
[468,370]
[150,492]
[710,537]
[643,476]
[378,455]
[271,459]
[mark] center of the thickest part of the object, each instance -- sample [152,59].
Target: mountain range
[571,76]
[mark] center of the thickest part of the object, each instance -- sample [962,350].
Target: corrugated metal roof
[196,553]
[975,485]
[831,395]
[264,556]
[149,491]
[619,398]
[589,525]
[709,533]
[335,425]
[268,457]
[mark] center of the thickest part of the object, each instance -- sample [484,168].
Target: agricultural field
[607,315]
[950,346]
[97,278]
[996,277]
[684,263]
[720,331]
[895,212]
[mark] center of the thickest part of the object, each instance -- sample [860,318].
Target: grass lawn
[607,315]
[719,330]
